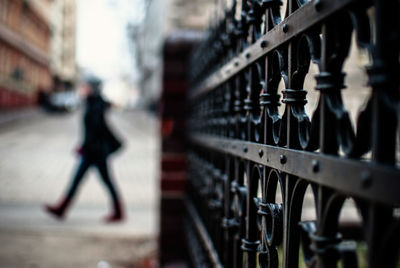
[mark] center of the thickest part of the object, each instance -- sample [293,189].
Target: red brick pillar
[176,55]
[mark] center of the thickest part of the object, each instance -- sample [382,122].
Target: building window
[18,74]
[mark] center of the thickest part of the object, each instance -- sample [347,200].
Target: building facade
[24,51]
[189,15]
[163,18]
[63,44]
[147,40]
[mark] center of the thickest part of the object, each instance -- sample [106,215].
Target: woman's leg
[80,172]
[58,210]
[103,169]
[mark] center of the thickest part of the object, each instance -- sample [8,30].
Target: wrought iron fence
[250,165]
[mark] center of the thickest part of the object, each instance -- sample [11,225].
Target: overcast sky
[102,41]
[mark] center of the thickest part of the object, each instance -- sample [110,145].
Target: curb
[10,116]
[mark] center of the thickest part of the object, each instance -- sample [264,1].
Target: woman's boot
[116,215]
[58,211]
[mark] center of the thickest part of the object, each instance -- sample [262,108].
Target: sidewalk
[36,165]
[28,249]
[13,115]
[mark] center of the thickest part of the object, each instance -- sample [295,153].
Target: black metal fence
[250,165]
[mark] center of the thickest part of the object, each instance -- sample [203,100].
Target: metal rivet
[285,28]
[260,153]
[245,149]
[282,159]
[366,179]
[263,44]
[248,55]
[315,165]
[317,5]
[236,63]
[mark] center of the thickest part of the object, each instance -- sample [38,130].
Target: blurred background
[47,49]
[50,45]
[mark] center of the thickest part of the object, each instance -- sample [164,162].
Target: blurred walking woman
[98,143]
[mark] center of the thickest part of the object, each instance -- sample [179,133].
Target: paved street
[37,161]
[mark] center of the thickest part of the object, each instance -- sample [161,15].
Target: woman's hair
[95,84]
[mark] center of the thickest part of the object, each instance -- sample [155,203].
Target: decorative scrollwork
[236,74]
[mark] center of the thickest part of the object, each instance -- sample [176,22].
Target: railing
[250,165]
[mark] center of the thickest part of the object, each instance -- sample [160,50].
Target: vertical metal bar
[383,77]
[288,251]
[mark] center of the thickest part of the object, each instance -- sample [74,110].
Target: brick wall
[24,53]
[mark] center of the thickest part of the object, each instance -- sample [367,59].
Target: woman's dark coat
[99,141]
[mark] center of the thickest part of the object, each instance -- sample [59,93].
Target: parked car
[64,101]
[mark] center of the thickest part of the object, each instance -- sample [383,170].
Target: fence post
[176,56]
